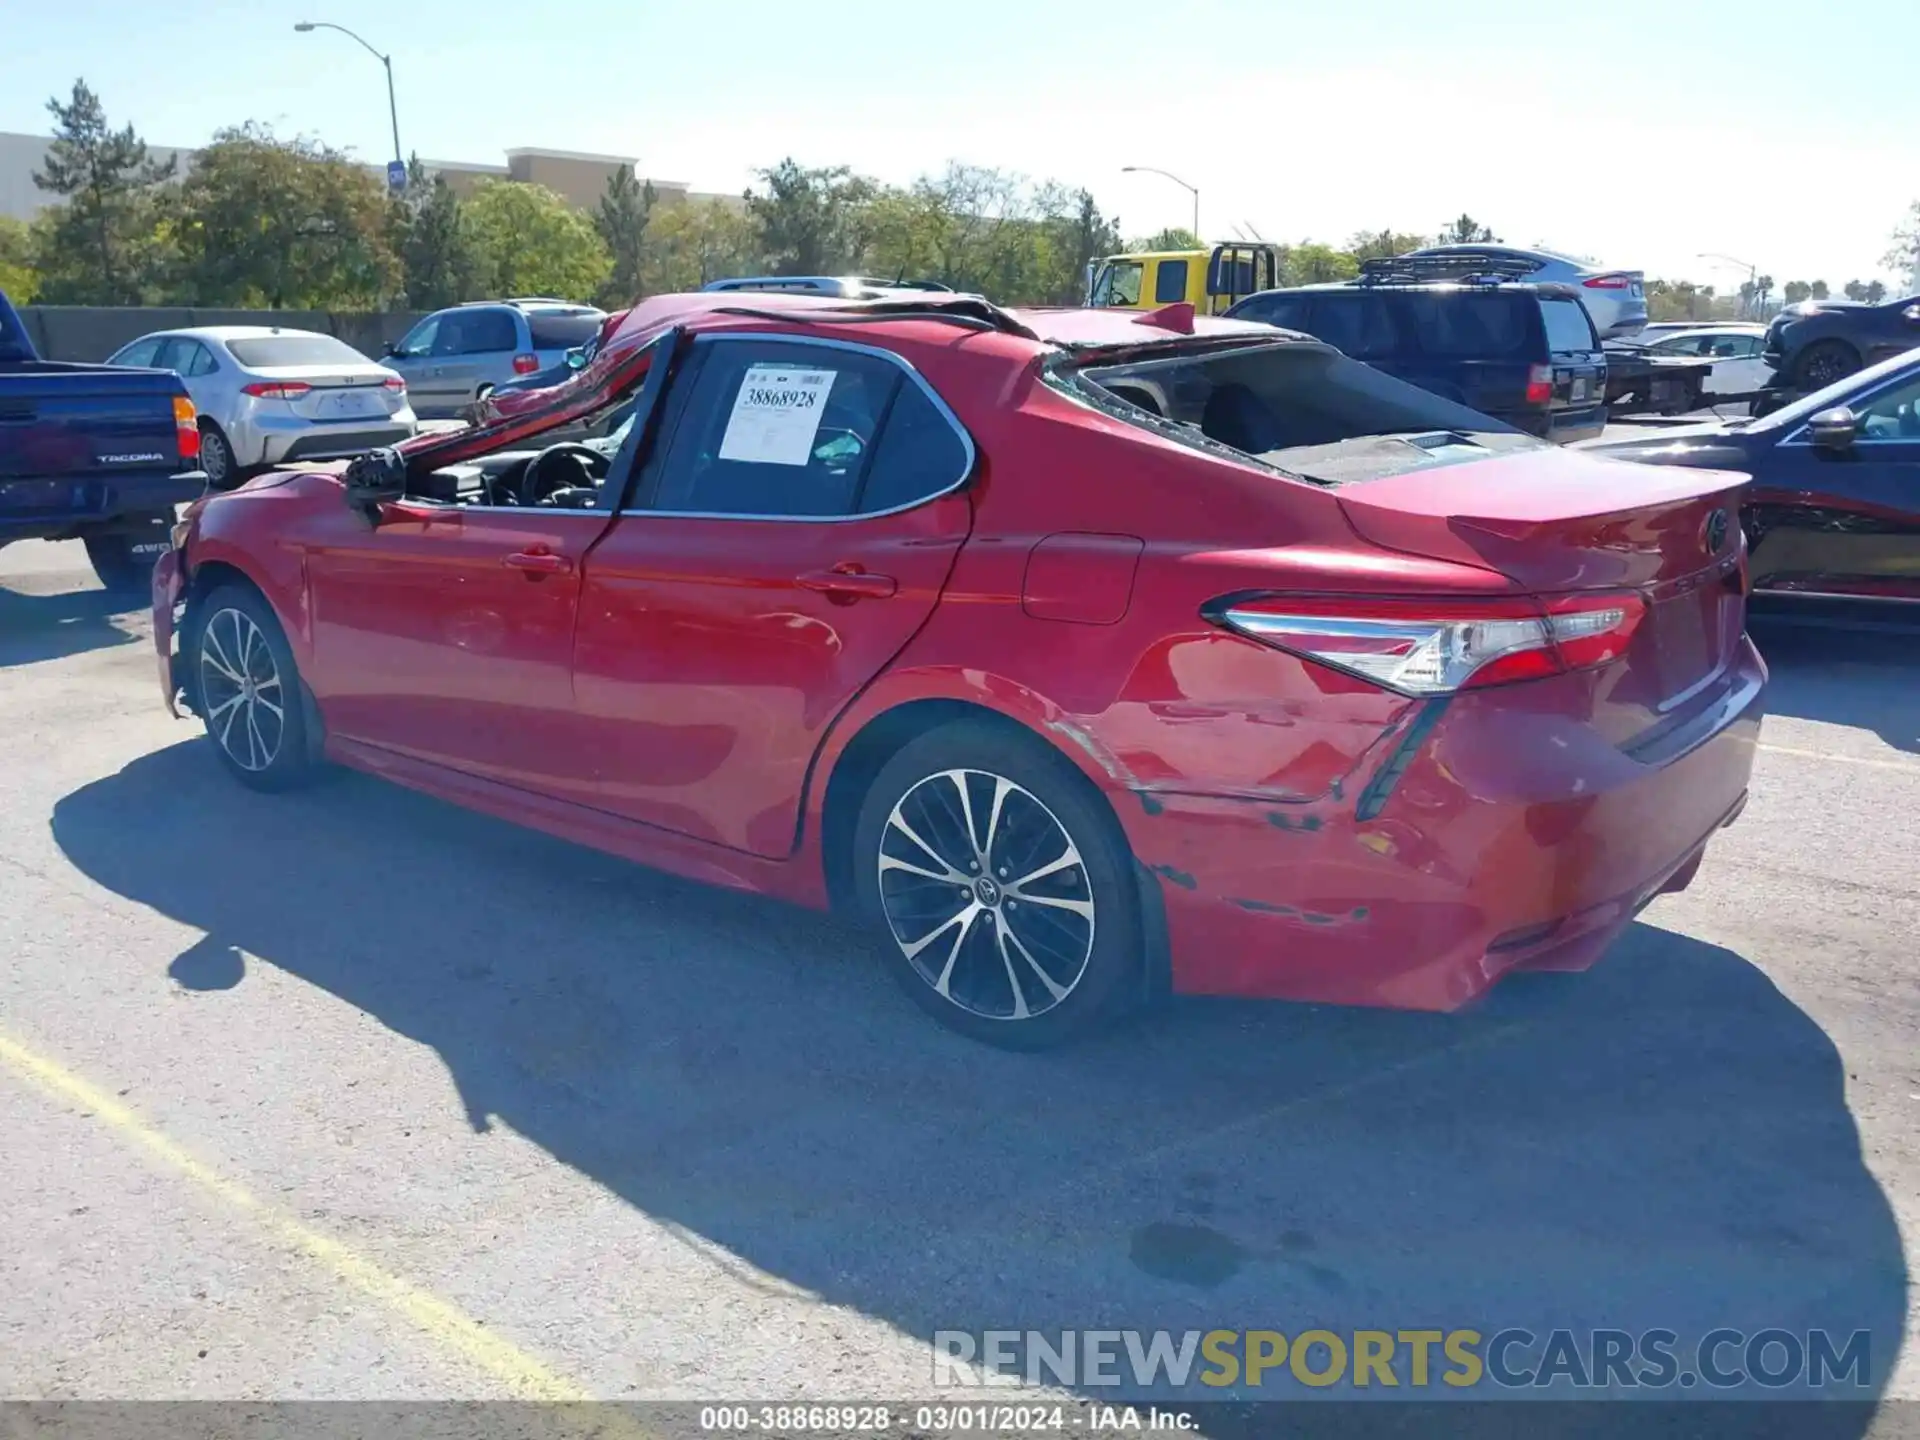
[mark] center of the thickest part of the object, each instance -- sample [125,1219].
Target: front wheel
[1825,362]
[1003,885]
[249,690]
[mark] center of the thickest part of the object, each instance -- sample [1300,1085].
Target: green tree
[1383,244]
[1817,290]
[1796,291]
[1903,256]
[1876,291]
[621,219]
[1679,300]
[103,244]
[693,241]
[19,281]
[1855,290]
[284,224]
[439,256]
[1177,237]
[1465,230]
[1086,235]
[811,222]
[530,241]
[1311,263]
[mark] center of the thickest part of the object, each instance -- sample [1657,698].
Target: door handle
[538,562]
[847,583]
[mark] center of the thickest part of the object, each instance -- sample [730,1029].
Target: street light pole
[1753,272]
[393,108]
[1169,175]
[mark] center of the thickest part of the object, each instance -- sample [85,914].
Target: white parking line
[1904,767]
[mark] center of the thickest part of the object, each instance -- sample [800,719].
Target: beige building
[581,178]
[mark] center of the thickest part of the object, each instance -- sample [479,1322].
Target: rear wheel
[1823,363]
[124,557]
[249,692]
[216,457]
[1002,884]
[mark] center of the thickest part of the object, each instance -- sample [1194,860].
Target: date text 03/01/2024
[942,1418]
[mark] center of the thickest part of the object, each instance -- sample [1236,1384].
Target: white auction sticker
[776,415]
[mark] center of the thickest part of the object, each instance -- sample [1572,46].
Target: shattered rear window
[1304,410]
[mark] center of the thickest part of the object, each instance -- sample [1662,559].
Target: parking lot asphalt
[351,1094]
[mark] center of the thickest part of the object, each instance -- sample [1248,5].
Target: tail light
[276,389]
[186,428]
[394,385]
[525,364]
[1539,384]
[1437,647]
[1608,282]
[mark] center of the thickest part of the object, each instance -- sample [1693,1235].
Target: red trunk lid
[1556,520]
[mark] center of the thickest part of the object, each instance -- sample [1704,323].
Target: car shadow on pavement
[48,627]
[1662,1142]
[1844,674]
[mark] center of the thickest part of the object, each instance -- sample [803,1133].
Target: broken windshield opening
[1305,410]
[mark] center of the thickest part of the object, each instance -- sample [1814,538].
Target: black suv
[1814,343]
[1461,327]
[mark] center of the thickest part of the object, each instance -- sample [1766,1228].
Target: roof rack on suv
[1435,269]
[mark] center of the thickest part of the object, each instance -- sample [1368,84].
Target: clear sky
[1637,132]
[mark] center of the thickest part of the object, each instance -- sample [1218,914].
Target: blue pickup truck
[97,453]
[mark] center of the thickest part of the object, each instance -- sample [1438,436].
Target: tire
[1075,957]
[247,690]
[217,458]
[124,557]
[1824,362]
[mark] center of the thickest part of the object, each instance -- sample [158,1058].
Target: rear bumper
[69,509]
[305,440]
[1562,427]
[1508,841]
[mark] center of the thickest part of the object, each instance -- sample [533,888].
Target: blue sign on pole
[396,175]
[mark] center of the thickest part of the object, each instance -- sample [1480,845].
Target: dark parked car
[1523,353]
[98,453]
[1817,342]
[1834,508]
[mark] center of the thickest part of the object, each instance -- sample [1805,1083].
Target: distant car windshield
[1304,409]
[272,351]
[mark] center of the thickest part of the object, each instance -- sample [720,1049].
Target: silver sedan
[1615,300]
[268,396]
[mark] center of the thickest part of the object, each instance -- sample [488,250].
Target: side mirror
[577,358]
[1911,314]
[392,347]
[377,478]
[1834,429]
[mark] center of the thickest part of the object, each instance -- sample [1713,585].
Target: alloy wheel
[986,894]
[240,690]
[216,458]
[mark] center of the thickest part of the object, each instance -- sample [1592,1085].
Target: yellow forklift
[1208,280]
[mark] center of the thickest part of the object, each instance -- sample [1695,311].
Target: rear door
[1573,350]
[474,347]
[793,529]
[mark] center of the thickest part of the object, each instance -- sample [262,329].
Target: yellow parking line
[1904,767]
[445,1324]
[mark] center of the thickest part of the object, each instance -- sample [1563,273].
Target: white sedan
[267,396]
[1738,368]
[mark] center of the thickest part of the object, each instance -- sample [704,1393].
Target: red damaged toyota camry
[1086,655]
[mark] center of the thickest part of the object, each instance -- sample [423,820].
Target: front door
[792,530]
[444,633]
[1845,521]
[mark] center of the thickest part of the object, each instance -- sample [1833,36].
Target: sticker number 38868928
[776,415]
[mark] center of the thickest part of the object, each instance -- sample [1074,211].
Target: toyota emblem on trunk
[1716,531]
